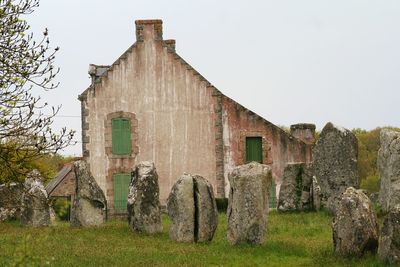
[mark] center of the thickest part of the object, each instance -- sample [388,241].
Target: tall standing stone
[89,206]
[35,203]
[143,200]
[389,240]
[389,169]
[248,203]
[295,191]
[335,164]
[355,228]
[192,208]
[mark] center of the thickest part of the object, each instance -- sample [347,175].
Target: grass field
[297,239]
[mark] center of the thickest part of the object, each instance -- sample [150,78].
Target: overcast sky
[289,61]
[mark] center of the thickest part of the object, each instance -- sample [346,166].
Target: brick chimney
[304,131]
[149,29]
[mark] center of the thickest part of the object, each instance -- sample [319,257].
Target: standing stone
[88,208]
[192,208]
[35,203]
[389,169]
[316,194]
[248,203]
[295,190]
[355,227]
[206,212]
[143,200]
[335,164]
[389,240]
[180,206]
[374,197]
[10,201]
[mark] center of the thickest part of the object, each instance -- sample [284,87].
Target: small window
[254,149]
[121,183]
[121,136]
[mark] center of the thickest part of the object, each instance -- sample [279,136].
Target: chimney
[148,29]
[304,131]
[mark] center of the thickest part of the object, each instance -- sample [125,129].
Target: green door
[121,189]
[254,149]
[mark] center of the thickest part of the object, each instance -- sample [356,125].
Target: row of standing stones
[330,181]
[30,202]
[191,204]
[192,207]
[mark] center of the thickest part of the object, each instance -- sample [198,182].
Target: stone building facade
[152,105]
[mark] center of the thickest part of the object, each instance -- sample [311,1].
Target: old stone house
[150,104]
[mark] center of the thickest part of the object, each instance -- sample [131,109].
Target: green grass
[296,239]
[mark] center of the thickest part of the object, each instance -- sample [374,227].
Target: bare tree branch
[25,64]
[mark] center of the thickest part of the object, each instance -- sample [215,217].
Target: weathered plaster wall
[173,110]
[279,147]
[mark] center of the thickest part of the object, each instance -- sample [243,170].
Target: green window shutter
[121,190]
[254,149]
[272,196]
[121,136]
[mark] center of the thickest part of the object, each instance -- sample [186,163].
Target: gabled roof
[170,45]
[58,179]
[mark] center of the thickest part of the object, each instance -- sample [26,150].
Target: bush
[61,207]
[371,183]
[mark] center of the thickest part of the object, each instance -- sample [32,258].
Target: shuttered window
[121,136]
[121,189]
[254,149]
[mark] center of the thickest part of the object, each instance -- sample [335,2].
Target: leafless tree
[26,64]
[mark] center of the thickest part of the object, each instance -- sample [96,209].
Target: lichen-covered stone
[10,201]
[389,169]
[389,240]
[295,190]
[180,206]
[143,200]
[335,164]
[206,213]
[316,194]
[35,204]
[355,228]
[192,208]
[88,208]
[248,203]
[374,197]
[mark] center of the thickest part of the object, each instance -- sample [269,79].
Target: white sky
[289,61]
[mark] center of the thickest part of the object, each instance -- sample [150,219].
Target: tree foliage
[368,146]
[26,64]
